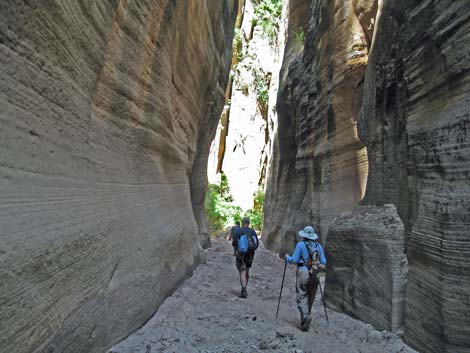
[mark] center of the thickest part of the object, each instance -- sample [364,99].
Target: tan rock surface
[107,111]
[319,165]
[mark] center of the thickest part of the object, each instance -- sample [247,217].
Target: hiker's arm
[235,240]
[295,258]
[322,255]
[256,236]
[235,243]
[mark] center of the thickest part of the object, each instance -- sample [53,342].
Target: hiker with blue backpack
[310,260]
[244,242]
[234,230]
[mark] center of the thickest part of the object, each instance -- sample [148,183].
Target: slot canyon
[117,117]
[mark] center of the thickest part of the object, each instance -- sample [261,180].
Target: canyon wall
[414,121]
[107,112]
[409,94]
[243,142]
[318,165]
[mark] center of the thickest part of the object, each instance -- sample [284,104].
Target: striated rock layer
[367,265]
[414,121]
[107,111]
[318,165]
[411,100]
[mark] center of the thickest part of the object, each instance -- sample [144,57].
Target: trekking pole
[323,300]
[282,285]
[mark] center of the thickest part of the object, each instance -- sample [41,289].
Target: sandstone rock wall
[413,118]
[414,122]
[319,165]
[107,111]
[367,266]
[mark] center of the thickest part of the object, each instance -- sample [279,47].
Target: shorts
[244,261]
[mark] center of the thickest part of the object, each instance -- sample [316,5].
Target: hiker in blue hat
[310,259]
[244,254]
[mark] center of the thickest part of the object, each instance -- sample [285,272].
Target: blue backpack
[246,243]
[243,244]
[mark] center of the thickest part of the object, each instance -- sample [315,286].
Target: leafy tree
[262,81]
[256,213]
[222,213]
[267,15]
[220,210]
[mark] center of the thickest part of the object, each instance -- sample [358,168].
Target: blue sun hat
[309,233]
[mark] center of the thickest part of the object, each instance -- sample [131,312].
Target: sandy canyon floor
[205,315]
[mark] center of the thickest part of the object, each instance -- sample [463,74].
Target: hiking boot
[305,323]
[243,293]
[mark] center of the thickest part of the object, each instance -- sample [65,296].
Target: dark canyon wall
[319,165]
[107,111]
[408,242]
[414,122]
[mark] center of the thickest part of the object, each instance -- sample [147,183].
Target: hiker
[310,259]
[244,256]
[234,230]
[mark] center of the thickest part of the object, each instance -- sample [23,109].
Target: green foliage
[267,15]
[299,36]
[261,88]
[223,189]
[256,213]
[237,45]
[220,211]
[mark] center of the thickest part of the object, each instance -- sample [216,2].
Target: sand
[205,315]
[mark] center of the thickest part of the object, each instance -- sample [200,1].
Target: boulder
[367,266]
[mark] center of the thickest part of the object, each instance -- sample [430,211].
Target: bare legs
[243,262]
[244,276]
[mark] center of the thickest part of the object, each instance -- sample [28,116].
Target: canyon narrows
[107,114]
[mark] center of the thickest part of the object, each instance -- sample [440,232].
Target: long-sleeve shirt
[247,231]
[300,255]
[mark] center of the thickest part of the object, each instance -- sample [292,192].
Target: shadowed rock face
[107,111]
[319,165]
[413,118]
[414,122]
[367,265]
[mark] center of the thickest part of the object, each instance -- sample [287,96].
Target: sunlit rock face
[243,141]
[107,111]
[319,165]
[414,122]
